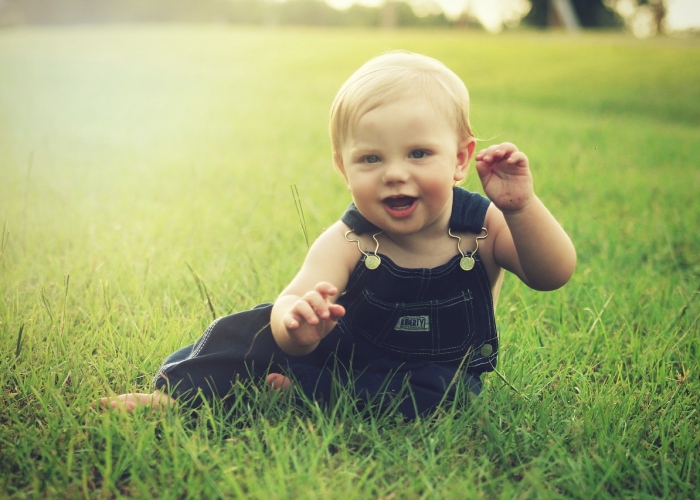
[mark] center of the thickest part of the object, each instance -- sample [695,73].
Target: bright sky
[682,14]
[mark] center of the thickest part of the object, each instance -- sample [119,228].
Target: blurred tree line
[268,12]
[393,13]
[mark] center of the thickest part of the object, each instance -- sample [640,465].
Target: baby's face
[401,161]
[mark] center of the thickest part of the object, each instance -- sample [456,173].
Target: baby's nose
[395,171]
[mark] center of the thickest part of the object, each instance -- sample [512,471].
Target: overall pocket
[419,330]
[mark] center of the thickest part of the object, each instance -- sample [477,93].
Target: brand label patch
[413,324]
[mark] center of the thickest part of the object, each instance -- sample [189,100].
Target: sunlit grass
[134,159]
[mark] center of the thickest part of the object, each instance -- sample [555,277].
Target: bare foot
[129,402]
[278,381]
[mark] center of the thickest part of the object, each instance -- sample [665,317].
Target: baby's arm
[528,241]
[305,312]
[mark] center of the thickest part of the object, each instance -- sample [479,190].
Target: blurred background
[643,18]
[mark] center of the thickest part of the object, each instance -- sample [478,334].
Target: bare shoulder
[330,259]
[333,244]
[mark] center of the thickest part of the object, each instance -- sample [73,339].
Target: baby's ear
[338,161]
[465,152]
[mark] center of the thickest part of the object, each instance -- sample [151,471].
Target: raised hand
[505,174]
[313,316]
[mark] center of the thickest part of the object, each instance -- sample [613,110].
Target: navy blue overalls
[416,328]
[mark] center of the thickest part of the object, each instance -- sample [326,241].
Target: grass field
[129,155]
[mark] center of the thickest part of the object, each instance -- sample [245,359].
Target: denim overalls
[415,328]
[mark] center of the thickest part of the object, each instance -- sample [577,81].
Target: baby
[401,291]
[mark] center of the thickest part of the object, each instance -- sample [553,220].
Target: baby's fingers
[517,158]
[481,155]
[302,312]
[337,311]
[325,289]
[318,300]
[311,308]
[496,153]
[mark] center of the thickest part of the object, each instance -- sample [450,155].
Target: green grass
[128,154]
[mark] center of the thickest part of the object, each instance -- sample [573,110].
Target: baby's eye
[418,154]
[371,159]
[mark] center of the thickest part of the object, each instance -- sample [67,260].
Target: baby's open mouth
[399,202]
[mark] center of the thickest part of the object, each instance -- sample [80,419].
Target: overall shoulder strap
[468,211]
[357,222]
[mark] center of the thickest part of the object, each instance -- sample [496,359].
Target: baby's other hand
[313,316]
[505,174]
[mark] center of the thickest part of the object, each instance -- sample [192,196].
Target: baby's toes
[278,381]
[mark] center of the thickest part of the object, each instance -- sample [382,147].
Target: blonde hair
[396,75]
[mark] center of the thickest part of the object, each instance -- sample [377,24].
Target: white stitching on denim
[486,292]
[203,340]
[195,350]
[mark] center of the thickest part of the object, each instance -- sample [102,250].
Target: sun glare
[683,15]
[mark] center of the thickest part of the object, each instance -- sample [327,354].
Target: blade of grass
[5,239]
[300,213]
[45,302]
[18,350]
[203,291]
